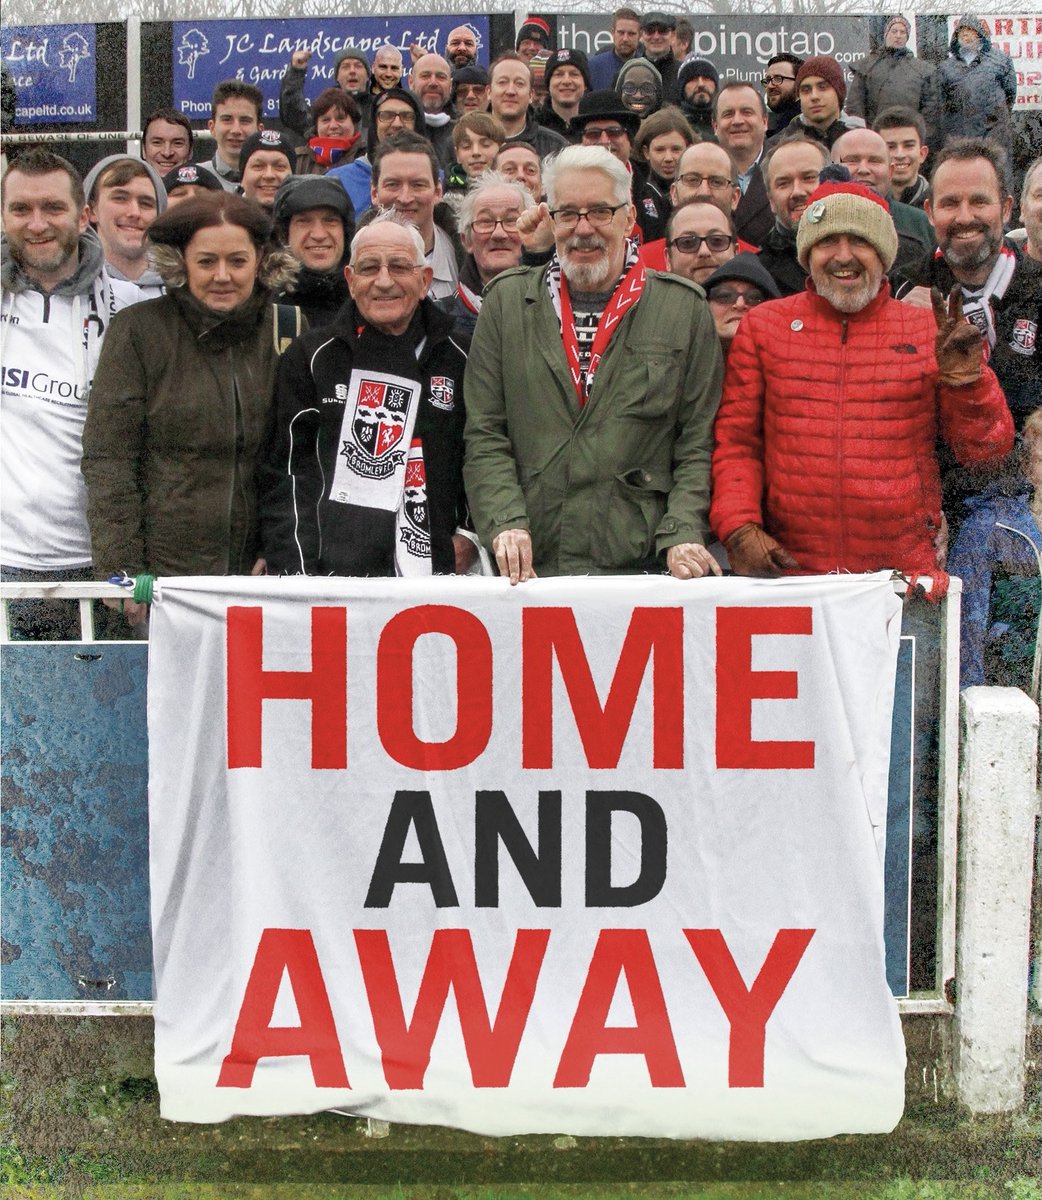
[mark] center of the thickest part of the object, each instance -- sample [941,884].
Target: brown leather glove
[750,551]
[959,347]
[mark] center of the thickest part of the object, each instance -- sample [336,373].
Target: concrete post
[996,852]
[1036,919]
[133,89]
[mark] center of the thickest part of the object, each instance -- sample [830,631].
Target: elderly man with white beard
[591,394]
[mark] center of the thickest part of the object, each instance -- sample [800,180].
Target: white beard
[586,277]
[847,300]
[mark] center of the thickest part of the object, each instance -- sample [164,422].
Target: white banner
[581,856]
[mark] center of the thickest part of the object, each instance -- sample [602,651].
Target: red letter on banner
[621,951]
[291,951]
[738,685]
[491,1049]
[603,730]
[394,688]
[325,685]
[748,1009]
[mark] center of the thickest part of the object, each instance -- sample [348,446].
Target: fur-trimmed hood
[277,272]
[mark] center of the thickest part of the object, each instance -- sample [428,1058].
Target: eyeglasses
[638,89]
[729,296]
[397,268]
[383,117]
[599,216]
[656,29]
[614,132]
[485,225]
[689,243]
[717,183]
[767,80]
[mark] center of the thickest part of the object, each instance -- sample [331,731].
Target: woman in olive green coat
[181,398]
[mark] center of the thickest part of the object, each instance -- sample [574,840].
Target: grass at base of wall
[1021,1188]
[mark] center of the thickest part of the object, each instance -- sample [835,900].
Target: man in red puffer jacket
[825,436]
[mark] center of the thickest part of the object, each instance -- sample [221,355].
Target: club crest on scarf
[414,530]
[978,317]
[378,425]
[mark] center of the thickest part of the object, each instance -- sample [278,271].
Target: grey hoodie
[91,262]
[149,283]
[157,180]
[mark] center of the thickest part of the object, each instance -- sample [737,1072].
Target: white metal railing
[99,135]
[83,593]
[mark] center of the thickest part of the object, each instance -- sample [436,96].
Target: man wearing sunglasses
[591,393]
[707,172]
[603,120]
[699,238]
[656,35]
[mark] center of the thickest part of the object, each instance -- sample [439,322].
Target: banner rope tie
[143,588]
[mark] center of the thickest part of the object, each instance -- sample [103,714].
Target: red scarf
[470,300]
[328,152]
[626,294]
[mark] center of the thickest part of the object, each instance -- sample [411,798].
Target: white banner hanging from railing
[581,856]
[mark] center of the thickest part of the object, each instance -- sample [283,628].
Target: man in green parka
[592,386]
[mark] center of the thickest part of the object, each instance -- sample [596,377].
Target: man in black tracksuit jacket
[305,529]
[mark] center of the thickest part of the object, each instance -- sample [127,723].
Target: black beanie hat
[693,66]
[267,139]
[568,58]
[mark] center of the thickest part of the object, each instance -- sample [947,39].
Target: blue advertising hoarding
[258,52]
[54,70]
[74,883]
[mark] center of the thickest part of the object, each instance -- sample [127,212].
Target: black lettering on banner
[600,810]
[495,821]
[416,810]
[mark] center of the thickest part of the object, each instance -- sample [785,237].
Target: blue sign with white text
[54,68]
[258,52]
